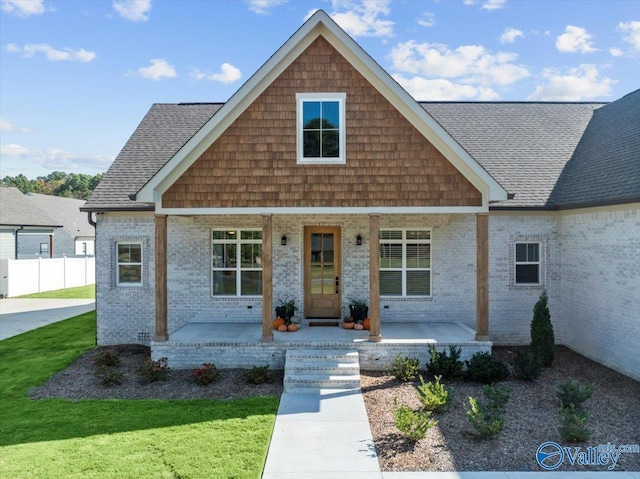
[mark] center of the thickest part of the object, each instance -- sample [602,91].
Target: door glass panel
[322,270]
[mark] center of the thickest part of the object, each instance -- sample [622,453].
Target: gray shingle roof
[605,167]
[159,136]
[16,209]
[65,211]
[526,147]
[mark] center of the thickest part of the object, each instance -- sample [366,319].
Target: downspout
[95,250]
[16,245]
[90,219]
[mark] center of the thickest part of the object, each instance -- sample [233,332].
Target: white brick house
[321,180]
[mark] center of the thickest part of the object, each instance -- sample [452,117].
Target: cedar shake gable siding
[254,162]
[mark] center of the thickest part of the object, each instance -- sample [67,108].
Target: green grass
[56,438]
[82,292]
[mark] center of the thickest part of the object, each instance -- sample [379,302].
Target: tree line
[58,183]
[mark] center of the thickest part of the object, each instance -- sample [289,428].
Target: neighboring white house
[322,179]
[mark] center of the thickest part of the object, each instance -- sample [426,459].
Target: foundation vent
[144,336]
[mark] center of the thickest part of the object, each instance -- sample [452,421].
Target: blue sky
[76,77]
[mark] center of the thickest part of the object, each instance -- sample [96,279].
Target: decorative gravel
[530,419]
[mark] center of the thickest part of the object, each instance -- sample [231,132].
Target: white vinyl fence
[26,276]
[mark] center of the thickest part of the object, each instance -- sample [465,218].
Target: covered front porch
[234,345]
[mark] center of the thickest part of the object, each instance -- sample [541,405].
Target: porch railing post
[267,280]
[161,277]
[374,278]
[482,277]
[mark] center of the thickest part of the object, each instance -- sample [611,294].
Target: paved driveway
[20,315]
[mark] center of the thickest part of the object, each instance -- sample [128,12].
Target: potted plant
[286,309]
[359,309]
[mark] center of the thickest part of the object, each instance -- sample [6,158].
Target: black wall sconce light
[359,240]
[283,240]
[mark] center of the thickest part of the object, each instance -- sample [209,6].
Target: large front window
[405,263]
[236,262]
[321,131]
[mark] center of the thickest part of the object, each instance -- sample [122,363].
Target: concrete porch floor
[392,333]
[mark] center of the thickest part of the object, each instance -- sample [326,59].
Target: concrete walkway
[21,315]
[326,435]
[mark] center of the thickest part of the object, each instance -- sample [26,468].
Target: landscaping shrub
[484,368]
[526,366]
[206,374]
[433,395]
[448,366]
[496,396]
[413,425]
[404,368]
[259,375]
[487,422]
[152,371]
[542,338]
[572,393]
[106,359]
[108,376]
[573,424]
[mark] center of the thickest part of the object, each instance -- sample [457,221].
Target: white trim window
[405,263]
[129,263]
[527,263]
[321,128]
[236,262]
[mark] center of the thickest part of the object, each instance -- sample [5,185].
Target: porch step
[308,371]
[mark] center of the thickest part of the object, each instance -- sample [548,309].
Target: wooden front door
[322,274]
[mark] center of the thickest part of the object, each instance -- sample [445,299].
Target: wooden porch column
[267,280]
[161,278]
[482,277]
[374,278]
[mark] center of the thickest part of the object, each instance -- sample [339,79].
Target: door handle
[337,284]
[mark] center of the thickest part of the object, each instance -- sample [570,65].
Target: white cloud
[362,18]
[443,90]
[488,4]
[23,8]
[263,7]
[6,125]
[426,19]
[615,52]
[52,159]
[633,37]
[580,83]
[134,10]
[575,39]
[510,34]
[228,74]
[158,70]
[52,54]
[470,64]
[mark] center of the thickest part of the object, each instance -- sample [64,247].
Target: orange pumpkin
[278,322]
[293,327]
[367,324]
[346,325]
[282,328]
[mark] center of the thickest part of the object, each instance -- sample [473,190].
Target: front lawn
[81,292]
[117,438]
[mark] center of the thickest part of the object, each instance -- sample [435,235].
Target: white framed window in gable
[236,262]
[321,137]
[527,263]
[405,263]
[129,263]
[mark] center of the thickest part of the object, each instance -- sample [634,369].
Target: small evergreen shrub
[108,376]
[404,368]
[413,425]
[106,359]
[542,338]
[526,366]
[448,366]
[153,371]
[486,421]
[573,424]
[572,393]
[206,374]
[259,375]
[433,395]
[484,368]
[496,396]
